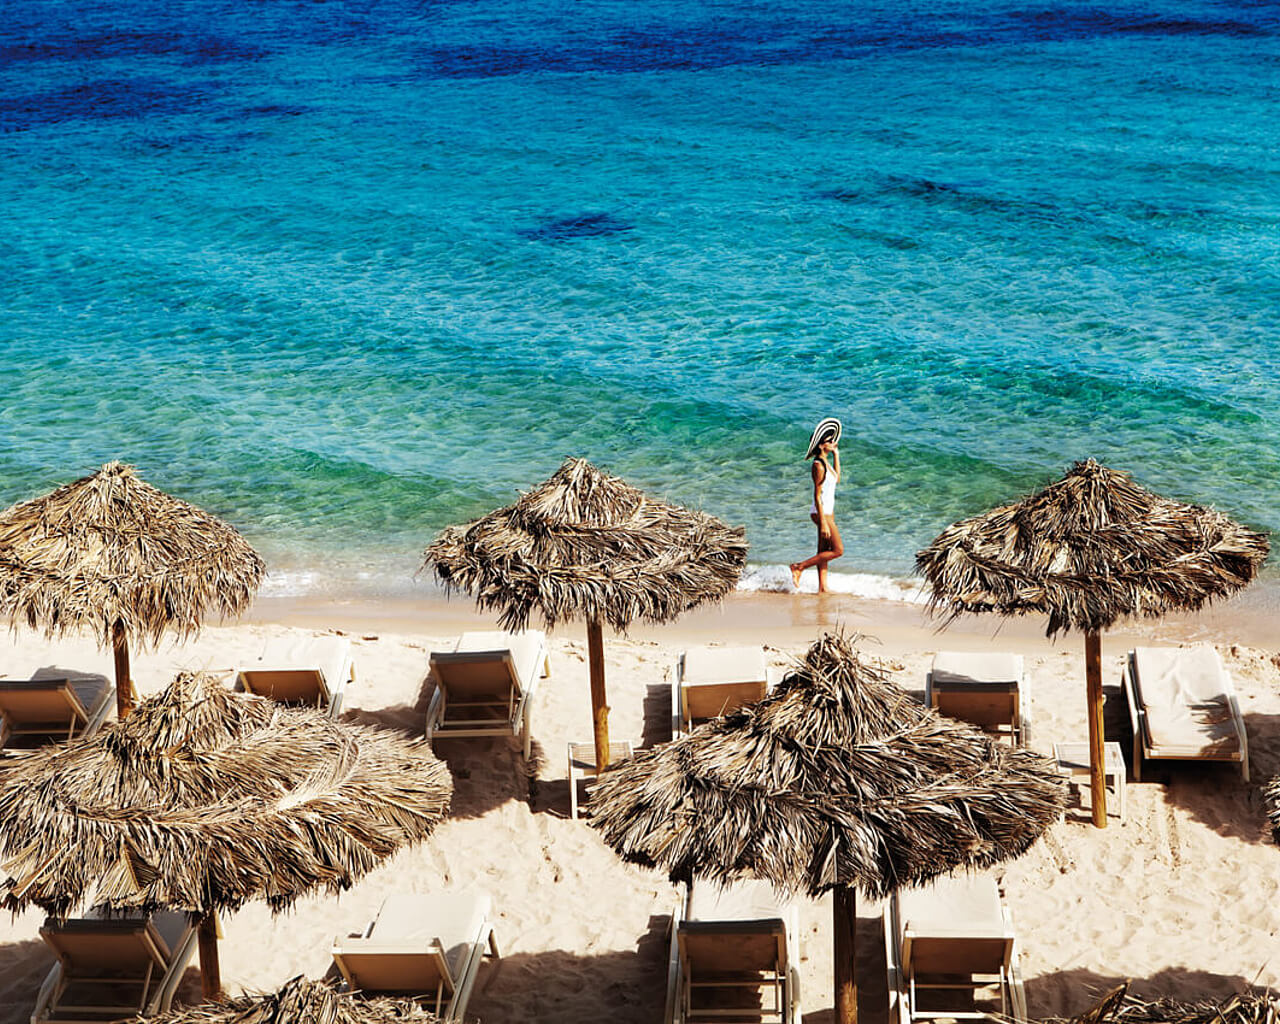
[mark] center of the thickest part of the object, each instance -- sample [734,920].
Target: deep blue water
[345,273]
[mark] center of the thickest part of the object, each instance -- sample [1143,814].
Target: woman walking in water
[826,435]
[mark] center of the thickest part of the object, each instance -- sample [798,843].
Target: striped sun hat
[827,429]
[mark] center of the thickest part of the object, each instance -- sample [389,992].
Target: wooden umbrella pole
[844,908]
[599,703]
[1097,730]
[210,972]
[124,682]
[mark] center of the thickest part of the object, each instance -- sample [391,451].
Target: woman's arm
[835,455]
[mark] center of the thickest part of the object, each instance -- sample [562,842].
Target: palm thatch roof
[204,799]
[588,545]
[1120,1007]
[110,549]
[1088,550]
[837,778]
[302,1000]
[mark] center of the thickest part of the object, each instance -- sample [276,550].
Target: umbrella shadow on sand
[871,971]
[560,985]
[410,719]
[487,773]
[23,966]
[1216,795]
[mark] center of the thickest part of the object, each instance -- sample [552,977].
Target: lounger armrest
[100,714]
[435,710]
[1241,731]
[899,1011]
[1136,713]
[182,954]
[673,1013]
[48,989]
[1017,989]
[677,697]
[1131,698]
[466,979]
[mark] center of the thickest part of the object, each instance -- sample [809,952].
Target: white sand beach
[1181,898]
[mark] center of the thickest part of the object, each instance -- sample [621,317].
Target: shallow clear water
[347,273]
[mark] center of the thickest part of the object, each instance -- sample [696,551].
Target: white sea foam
[291,583]
[386,581]
[777,579]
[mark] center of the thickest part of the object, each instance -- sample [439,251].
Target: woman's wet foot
[795,574]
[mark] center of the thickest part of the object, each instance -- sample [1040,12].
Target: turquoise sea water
[345,273]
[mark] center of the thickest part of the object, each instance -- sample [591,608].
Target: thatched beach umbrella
[111,554]
[1087,551]
[300,999]
[586,545]
[837,781]
[203,800]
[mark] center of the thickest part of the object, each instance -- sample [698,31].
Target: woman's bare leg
[833,550]
[828,550]
[798,567]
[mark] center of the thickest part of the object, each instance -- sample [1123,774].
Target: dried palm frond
[1120,1007]
[111,549]
[837,778]
[1271,799]
[301,1000]
[1088,550]
[204,799]
[587,545]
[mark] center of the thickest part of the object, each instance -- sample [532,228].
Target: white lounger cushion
[967,905]
[526,647]
[330,654]
[741,901]
[1186,697]
[704,665]
[451,919]
[961,667]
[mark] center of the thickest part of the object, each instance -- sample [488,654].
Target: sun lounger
[1183,707]
[945,945]
[712,681]
[53,710]
[310,671]
[734,956]
[485,685]
[422,946]
[113,968]
[988,690]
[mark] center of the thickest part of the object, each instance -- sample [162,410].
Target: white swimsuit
[827,491]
